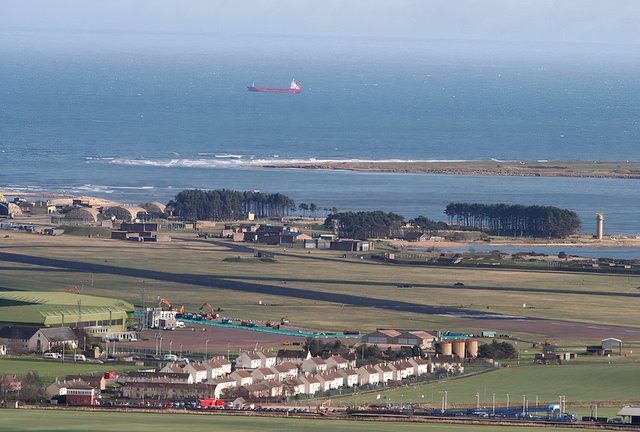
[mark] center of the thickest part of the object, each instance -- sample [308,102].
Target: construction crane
[212,314]
[167,304]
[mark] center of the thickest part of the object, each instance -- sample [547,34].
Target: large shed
[124,213]
[84,214]
[154,207]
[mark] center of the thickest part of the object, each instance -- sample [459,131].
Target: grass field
[34,420]
[49,369]
[579,382]
[610,299]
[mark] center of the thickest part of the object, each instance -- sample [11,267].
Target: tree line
[224,204]
[365,224]
[514,220]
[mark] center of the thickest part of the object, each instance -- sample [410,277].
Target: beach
[583,169]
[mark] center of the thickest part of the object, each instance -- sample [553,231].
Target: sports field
[49,370]
[580,382]
[34,421]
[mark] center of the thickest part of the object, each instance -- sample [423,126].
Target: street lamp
[206,349]
[493,404]
[477,400]
[170,346]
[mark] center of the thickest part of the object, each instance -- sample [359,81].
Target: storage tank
[599,226]
[444,348]
[459,348]
[472,348]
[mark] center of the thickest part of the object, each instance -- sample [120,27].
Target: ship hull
[272,90]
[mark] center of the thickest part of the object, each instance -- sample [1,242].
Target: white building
[242,376]
[268,359]
[263,374]
[421,366]
[349,376]
[311,384]
[368,375]
[386,372]
[313,365]
[248,360]
[337,362]
[46,339]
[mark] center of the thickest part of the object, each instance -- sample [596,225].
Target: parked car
[180,324]
[170,357]
[51,355]
[79,357]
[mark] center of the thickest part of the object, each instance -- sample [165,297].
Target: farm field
[581,383]
[320,289]
[50,369]
[35,421]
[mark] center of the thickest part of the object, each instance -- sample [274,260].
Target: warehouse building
[40,309]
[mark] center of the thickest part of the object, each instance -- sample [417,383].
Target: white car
[170,357]
[79,357]
[180,324]
[51,355]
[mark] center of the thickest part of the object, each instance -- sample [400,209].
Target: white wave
[98,158]
[231,156]
[259,162]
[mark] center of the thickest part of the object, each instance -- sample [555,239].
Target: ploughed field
[323,290]
[35,420]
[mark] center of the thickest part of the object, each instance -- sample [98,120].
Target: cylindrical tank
[599,226]
[444,348]
[472,348]
[459,348]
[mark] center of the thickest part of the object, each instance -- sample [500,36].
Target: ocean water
[140,116]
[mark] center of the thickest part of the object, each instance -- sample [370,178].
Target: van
[180,324]
[51,355]
[170,357]
[79,357]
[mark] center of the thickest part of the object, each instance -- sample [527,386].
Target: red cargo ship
[294,88]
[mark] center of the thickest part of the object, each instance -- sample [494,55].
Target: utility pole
[524,404]
[493,404]
[508,400]
[477,400]
[206,349]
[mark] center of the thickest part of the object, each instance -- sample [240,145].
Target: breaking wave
[238,161]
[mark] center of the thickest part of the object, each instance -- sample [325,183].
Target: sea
[138,117]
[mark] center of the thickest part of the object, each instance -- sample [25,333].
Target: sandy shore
[624,170]
[573,242]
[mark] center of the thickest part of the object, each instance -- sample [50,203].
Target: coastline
[580,169]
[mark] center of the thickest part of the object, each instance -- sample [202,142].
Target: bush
[497,350]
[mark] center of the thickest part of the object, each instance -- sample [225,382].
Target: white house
[421,366]
[386,372]
[248,360]
[337,362]
[349,377]
[242,376]
[284,371]
[368,375]
[311,384]
[404,369]
[46,339]
[214,368]
[330,380]
[268,359]
[263,374]
[222,385]
[294,386]
[196,370]
[314,365]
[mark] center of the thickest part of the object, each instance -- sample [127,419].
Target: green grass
[34,420]
[490,290]
[579,382]
[49,370]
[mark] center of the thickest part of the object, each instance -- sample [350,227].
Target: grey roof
[59,334]
[17,332]
[633,411]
